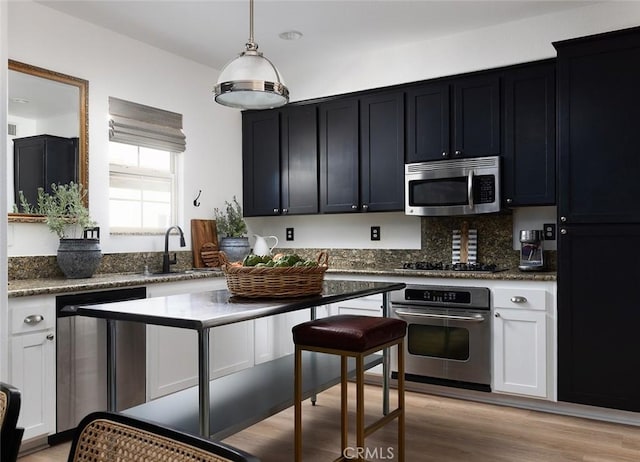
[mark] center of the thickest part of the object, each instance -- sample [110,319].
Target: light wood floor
[438,429]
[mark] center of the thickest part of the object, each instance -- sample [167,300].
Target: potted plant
[66,215]
[231,226]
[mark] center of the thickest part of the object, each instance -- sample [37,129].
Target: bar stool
[351,336]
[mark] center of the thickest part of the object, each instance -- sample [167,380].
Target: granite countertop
[25,287]
[43,286]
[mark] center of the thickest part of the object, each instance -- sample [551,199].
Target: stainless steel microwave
[453,187]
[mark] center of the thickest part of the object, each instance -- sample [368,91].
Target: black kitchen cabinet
[529,151]
[299,155]
[339,156]
[454,118]
[382,152]
[598,316]
[42,160]
[599,115]
[261,163]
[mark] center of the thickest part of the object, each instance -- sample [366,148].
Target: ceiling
[212,32]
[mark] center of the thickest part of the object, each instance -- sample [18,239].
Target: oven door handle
[474,318]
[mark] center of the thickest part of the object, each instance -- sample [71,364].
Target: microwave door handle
[470,188]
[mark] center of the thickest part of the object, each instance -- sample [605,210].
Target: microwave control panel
[484,189]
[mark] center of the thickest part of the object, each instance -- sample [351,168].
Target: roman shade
[140,125]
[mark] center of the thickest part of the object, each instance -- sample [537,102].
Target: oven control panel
[443,296]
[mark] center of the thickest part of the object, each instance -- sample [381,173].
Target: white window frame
[173,176]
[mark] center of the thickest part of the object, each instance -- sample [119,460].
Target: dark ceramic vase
[236,248]
[79,258]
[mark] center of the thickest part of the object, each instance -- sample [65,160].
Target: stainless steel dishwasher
[81,360]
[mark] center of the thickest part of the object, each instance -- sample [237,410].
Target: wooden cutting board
[202,232]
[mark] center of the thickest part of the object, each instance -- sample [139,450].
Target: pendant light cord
[251,45]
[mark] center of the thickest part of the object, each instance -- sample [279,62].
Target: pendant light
[251,81]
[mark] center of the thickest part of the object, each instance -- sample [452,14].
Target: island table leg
[203,382]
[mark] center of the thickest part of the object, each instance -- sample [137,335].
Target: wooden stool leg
[401,406]
[344,405]
[360,403]
[298,405]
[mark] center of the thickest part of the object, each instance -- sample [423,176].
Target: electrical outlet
[375,233]
[549,231]
[289,233]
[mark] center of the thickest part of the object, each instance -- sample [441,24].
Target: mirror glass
[48,123]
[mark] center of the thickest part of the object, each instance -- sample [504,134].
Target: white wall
[118,66]
[4,324]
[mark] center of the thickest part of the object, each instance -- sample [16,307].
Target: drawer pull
[50,337]
[518,299]
[33,319]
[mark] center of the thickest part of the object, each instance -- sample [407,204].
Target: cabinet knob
[497,315]
[354,207]
[285,210]
[33,319]
[276,210]
[518,299]
[50,337]
[457,153]
[444,154]
[365,207]
[563,219]
[509,201]
[563,231]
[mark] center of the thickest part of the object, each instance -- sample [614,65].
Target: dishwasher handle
[474,318]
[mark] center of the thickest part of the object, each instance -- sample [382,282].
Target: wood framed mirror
[44,107]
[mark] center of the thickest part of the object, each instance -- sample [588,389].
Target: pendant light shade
[251,81]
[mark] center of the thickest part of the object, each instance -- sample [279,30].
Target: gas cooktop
[440,266]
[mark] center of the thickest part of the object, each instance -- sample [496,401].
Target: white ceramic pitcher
[261,247]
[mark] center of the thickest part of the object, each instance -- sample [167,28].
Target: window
[145,143]
[142,188]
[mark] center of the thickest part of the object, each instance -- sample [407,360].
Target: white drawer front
[32,314]
[530,299]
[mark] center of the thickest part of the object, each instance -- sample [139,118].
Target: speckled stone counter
[44,286]
[509,275]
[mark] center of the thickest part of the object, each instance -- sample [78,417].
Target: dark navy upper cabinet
[454,118]
[529,128]
[599,116]
[299,156]
[339,156]
[428,122]
[261,163]
[382,152]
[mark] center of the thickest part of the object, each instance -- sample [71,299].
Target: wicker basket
[270,282]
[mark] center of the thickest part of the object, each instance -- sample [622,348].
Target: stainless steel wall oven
[448,336]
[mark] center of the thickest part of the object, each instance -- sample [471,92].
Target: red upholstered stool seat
[351,336]
[349,332]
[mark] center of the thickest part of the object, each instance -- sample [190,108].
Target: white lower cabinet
[522,353]
[32,363]
[172,354]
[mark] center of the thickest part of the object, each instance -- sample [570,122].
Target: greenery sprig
[64,210]
[230,222]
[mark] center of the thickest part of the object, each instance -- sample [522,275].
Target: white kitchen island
[225,405]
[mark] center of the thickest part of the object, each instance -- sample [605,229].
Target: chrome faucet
[167,261]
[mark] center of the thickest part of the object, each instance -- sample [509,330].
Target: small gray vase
[236,248]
